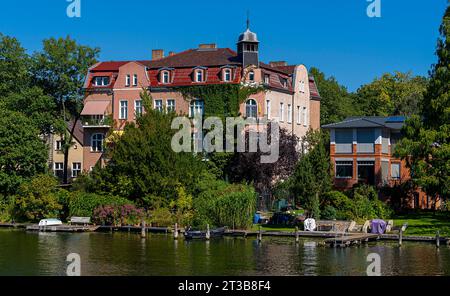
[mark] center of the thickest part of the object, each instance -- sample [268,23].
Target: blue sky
[334,35]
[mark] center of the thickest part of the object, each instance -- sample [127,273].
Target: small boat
[195,234]
[50,222]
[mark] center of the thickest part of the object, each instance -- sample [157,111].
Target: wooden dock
[351,239]
[62,228]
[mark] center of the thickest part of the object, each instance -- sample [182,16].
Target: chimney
[208,46]
[157,54]
[171,53]
[278,64]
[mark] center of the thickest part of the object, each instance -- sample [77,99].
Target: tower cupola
[248,47]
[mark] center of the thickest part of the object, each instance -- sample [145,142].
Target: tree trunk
[67,146]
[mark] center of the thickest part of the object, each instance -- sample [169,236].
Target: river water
[27,253]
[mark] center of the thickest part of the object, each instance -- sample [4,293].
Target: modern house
[113,89]
[361,151]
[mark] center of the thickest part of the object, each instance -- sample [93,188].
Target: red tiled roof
[109,66]
[286,69]
[196,57]
[313,90]
[277,69]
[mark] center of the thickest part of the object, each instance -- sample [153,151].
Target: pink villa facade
[113,89]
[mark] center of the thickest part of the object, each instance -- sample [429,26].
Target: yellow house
[75,163]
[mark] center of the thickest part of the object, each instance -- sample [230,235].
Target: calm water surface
[26,253]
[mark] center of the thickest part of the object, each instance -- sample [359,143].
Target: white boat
[50,222]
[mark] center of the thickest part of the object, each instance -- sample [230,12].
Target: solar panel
[396,119]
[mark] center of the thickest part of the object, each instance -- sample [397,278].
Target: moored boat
[196,234]
[50,222]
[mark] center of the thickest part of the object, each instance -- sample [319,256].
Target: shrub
[329,213]
[118,215]
[361,203]
[182,207]
[6,209]
[38,199]
[231,205]
[161,217]
[83,204]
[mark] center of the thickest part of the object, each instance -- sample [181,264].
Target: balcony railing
[106,121]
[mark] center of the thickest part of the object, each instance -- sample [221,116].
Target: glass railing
[106,121]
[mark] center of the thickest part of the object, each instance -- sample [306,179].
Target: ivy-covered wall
[221,100]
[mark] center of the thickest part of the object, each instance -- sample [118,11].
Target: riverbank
[266,231]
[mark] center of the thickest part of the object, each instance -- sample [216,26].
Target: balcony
[97,121]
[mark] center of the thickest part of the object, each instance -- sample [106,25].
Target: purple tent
[378,226]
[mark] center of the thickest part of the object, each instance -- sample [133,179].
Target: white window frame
[136,107]
[135,80]
[127,80]
[195,106]
[302,86]
[251,76]
[165,79]
[78,169]
[289,117]
[170,105]
[266,78]
[199,75]
[58,145]
[343,163]
[305,116]
[55,165]
[123,110]
[227,75]
[399,171]
[159,105]
[268,108]
[281,115]
[102,80]
[254,107]
[299,116]
[94,137]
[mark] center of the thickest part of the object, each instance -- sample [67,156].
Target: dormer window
[165,77]
[199,76]
[128,80]
[284,82]
[135,80]
[251,76]
[266,78]
[101,81]
[227,75]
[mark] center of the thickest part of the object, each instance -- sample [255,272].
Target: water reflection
[25,253]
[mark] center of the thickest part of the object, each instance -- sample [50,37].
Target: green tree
[22,153]
[336,103]
[40,108]
[14,66]
[142,164]
[38,199]
[426,145]
[312,176]
[60,70]
[397,94]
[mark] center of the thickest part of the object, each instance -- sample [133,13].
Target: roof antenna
[248,20]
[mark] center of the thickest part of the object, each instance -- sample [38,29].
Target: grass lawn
[425,223]
[274,228]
